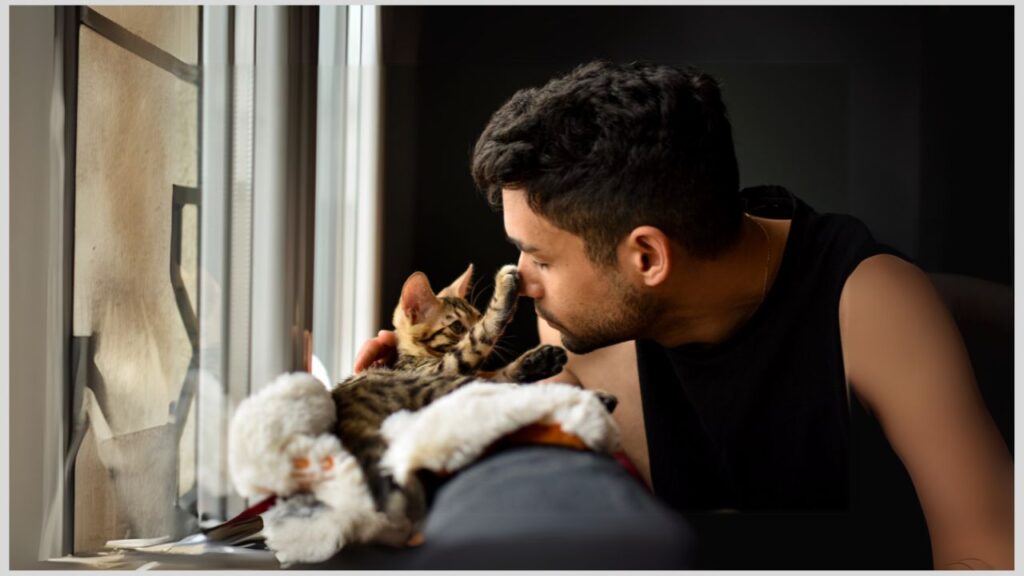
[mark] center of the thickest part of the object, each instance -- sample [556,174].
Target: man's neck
[709,300]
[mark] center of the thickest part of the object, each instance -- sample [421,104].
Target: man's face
[590,305]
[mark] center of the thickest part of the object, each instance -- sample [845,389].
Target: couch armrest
[538,507]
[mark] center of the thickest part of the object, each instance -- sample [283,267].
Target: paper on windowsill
[195,551]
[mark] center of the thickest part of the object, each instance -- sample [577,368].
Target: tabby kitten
[442,342]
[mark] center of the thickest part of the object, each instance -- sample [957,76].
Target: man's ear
[648,254]
[460,286]
[418,300]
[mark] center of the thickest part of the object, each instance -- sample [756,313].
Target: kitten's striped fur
[442,342]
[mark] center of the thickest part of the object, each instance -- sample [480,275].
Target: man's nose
[528,285]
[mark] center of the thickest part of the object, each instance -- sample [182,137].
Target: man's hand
[379,351]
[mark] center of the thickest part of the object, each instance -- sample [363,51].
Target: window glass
[170,28]
[136,142]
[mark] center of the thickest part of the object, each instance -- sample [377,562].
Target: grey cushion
[539,507]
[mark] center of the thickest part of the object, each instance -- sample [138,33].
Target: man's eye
[540,265]
[457,327]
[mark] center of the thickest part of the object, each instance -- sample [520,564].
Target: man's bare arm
[612,369]
[907,363]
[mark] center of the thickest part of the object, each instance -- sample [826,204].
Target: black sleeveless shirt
[761,421]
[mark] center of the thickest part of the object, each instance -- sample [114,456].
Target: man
[734,326]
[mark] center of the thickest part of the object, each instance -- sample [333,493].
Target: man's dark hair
[611,147]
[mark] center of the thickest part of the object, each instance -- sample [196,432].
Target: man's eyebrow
[525,248]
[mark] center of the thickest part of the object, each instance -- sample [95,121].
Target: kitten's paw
[542,362]
[507,281]
[386,493]
[398,502]
[609,400]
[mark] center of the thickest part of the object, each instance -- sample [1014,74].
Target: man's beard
[626,317]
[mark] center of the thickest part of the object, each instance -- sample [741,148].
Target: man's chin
[569,342]
[577,346]
[574,343]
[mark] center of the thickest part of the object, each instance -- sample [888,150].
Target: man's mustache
[545,316]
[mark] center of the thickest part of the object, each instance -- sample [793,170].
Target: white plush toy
[288,420]
[281,443]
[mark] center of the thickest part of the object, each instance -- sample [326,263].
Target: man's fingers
[367,354]
[379,351]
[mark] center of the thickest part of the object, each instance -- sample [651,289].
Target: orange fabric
[545,434]
[549,434]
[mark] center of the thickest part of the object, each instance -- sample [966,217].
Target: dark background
[901,116]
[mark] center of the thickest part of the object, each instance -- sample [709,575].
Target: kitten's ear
[418,300]
[460,286]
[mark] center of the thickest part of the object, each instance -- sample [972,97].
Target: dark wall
[901,116]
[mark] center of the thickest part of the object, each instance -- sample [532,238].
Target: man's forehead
[514,197]
[524,228]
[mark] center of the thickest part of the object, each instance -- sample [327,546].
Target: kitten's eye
[457,327]
[300,463]
[327,463]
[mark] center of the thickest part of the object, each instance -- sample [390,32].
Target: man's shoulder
[882,292]
[884,275]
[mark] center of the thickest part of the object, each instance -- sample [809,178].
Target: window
[135,282]
[195,137]
[346,268]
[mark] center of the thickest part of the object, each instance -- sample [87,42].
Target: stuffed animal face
[312,460]
[272,431]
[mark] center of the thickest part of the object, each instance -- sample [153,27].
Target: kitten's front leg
[539,363]
[477,344]
[395,501]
